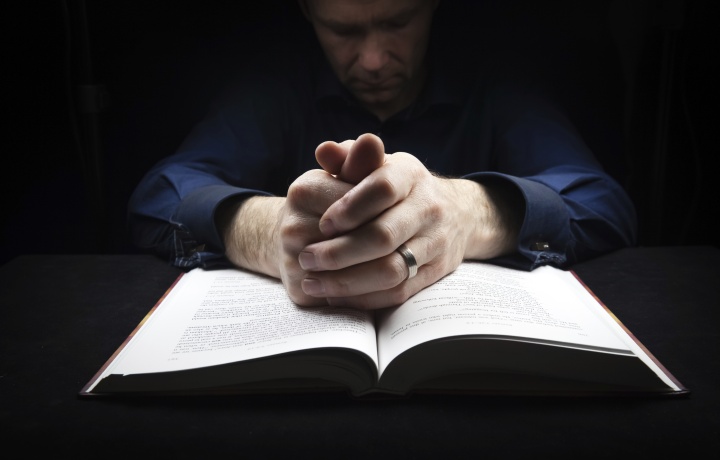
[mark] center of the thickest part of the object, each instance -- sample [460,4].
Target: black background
[638,77]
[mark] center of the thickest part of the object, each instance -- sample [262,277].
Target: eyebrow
[399,15]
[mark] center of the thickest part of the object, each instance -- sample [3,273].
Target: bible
[482,329]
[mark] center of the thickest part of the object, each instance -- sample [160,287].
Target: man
[370,229]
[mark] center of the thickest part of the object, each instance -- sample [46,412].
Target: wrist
[249,231]
[496,211]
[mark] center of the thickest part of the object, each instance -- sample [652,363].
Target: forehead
[361,11]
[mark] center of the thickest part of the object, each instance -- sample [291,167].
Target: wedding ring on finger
[410,261]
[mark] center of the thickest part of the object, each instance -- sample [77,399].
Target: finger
[331,155]
[366,154]
[377,275]
[292,286]
[315,191]
[307,199]
[382,189]
[371,241]
[427,275]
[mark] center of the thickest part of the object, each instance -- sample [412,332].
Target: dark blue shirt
[262,134]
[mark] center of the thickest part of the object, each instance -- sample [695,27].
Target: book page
[221,316]
[483,299]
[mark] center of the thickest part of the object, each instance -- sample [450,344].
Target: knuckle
[298,191]
[339,286]
[384,186]
[384,234]
[434,244]
[381,190]
[291,231]
[329,257]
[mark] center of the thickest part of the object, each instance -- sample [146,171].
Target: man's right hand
[266,234]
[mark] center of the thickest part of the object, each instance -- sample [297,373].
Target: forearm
[249,229]
[494,213]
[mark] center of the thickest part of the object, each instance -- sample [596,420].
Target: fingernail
[312,286]
[307,260]
[327,227]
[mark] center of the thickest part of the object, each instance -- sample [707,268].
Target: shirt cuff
[197,213]
[544,236]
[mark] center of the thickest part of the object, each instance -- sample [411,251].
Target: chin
[377,99]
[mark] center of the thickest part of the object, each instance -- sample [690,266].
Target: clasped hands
[339,228]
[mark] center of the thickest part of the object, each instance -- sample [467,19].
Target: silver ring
[409,258]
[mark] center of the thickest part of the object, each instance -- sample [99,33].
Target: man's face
[376,47]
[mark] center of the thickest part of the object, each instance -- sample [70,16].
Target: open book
[480,329]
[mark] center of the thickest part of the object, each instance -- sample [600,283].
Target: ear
[304,8]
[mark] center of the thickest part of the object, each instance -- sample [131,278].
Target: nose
[373,56]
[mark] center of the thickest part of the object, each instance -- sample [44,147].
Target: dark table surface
[62,316]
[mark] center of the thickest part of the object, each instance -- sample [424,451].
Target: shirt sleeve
[171,210]
[574,210]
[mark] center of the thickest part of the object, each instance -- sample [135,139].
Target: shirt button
[541,246]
